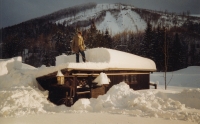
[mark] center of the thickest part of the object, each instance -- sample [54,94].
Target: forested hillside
[147,33]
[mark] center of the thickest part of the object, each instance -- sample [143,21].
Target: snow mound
[185,97]
[6,65]
[26,66]
[120,99]
[19,101]
[17,78]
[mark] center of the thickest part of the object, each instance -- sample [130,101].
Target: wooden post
[75,87]
[90,83]
[165,53]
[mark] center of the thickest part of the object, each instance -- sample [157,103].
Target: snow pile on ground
[8,64]
[120,99]
[189,97]
[19,101]
[20,95]
[19,91]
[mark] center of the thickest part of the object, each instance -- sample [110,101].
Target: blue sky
[16,11]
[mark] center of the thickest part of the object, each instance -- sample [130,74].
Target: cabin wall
[68,93]
[45,83]
[136,81]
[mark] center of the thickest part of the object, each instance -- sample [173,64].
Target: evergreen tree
[92,36]
[61,43]
[177,56]
[147,46]
[192,54]
[108,40]
[160,39]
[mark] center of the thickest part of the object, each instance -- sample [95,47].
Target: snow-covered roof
[107,59]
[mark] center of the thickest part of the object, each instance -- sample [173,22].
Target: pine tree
[177,53]
[92,40]
[61,43]
[146,47]
[159,56]
[108,40]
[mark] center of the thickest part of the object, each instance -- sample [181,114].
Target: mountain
[117,18]
[116,26]
[114,17]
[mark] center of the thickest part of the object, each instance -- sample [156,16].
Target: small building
[79,77]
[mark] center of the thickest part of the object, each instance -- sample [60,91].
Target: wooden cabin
[78,77]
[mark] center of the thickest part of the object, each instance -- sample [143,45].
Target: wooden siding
[136,82]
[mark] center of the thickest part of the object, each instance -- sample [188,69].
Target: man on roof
[78,46]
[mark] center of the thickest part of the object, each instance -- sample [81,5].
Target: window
[130,79]
[133,79]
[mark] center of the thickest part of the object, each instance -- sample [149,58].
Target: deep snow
[23,102]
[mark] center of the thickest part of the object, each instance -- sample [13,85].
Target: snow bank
[26,66]
[19,91]
[19,101]
[3,68]
[189,97]
[7,65]
[120,99]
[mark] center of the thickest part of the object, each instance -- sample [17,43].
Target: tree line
[181,44]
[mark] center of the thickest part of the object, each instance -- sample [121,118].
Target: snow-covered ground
[22,102]
[195,15]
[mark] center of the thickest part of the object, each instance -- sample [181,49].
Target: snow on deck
[107,59]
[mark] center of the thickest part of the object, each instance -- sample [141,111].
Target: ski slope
[124,20]
[118,18]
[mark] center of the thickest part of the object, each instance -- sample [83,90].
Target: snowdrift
[120,99]
[7,65]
